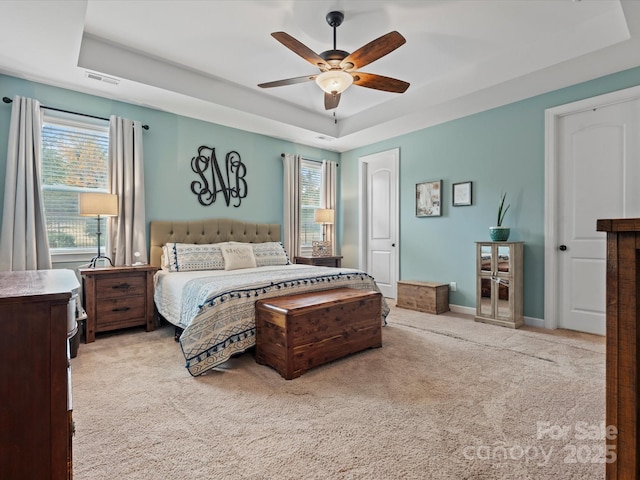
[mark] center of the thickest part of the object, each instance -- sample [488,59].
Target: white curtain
[24,230]
[328,197]
[291,202]
[127,233]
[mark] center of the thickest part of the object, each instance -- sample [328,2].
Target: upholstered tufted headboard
[209,231]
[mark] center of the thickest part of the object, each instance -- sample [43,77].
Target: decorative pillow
[184,257]
[238,256]
[165,258]
[270,253]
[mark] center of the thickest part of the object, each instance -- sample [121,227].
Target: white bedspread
[216,308]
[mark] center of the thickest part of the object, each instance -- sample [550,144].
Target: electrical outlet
[453,286]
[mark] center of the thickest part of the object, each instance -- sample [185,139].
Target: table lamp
[325,216]
[97,205]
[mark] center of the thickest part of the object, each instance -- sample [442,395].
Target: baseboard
[528,321]
[534,322]
[464,310]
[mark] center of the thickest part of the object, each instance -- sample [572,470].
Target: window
[75,153]
[310,188]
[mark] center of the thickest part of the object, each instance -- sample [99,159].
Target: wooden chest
[426,297]
[298,332]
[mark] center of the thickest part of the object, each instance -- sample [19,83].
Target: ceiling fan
[339,68]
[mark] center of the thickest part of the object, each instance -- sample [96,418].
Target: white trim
[362,208]
[75,120]
[71,257]
[462,309]
[551,202]
[534,322]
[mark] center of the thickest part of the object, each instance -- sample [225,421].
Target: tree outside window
[74,159]
[310,188]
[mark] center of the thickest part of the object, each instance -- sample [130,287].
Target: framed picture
[321,249]
[461,194]
[429,199]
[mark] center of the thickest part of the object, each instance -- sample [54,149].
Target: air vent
[103,78]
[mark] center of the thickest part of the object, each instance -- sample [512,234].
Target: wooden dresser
[118,297]
[37,315]
[623,348]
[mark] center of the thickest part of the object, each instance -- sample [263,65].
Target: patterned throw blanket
[218,313]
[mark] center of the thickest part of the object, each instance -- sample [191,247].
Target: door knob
[393,244]
[563,248]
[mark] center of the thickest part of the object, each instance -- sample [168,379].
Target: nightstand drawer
[324,262]
[334,261]
[120,286]
[115,311]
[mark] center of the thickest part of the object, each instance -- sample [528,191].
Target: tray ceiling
[204,59]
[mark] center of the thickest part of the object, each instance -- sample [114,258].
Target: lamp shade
[324,215]
[94,204]
[334,81]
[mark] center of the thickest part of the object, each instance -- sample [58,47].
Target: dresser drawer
[120,286]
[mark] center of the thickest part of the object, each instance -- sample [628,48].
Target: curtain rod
[309,159]
[8,100]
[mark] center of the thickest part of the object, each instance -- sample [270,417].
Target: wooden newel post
[623,271]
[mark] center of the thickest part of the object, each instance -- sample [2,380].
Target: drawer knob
[121,309]
[123,286]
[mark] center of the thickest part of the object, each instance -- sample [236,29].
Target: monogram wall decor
[229,181]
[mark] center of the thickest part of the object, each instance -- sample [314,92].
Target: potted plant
[500,233]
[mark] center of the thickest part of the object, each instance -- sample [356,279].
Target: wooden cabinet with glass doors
[499,283]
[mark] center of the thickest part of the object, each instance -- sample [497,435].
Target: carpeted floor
[444,398]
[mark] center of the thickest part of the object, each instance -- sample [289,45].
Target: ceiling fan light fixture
[334,81]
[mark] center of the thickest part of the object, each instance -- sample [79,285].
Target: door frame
[364,208]
[552,118]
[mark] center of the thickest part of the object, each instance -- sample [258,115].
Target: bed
[199,289]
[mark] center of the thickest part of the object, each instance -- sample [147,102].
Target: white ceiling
[204,59]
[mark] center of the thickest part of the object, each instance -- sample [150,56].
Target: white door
[599,177]
[380,219]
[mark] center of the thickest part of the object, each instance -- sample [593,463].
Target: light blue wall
[169,145]
[499,150]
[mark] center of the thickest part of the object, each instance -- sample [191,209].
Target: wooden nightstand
[320,261]
[117,297]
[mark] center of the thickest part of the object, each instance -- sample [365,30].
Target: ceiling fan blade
[373,50]
[301,49]
[288,81]
[379,82]
[331,100]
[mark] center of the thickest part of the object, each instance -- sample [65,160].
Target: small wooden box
[298,332]
[426,297]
